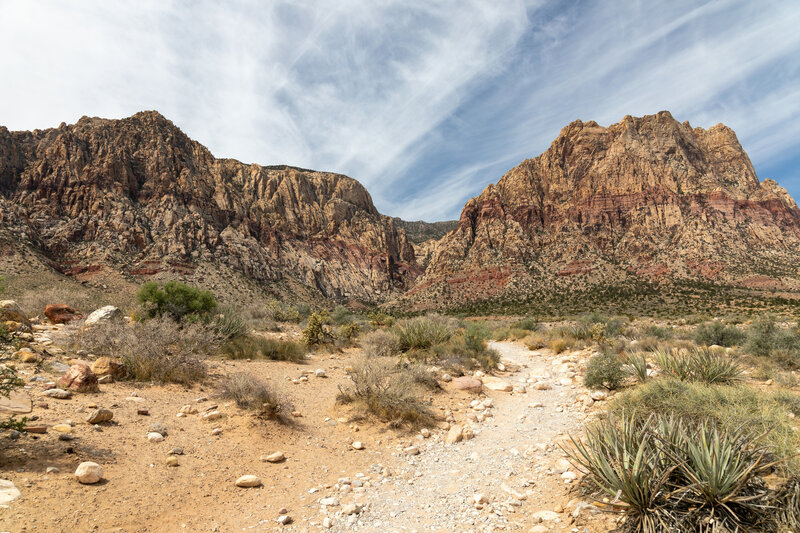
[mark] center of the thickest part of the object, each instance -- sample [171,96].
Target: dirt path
[511,461]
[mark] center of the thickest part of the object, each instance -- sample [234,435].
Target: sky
[424,102]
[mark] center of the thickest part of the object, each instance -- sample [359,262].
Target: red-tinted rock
[61,313]
[79,378]
[468,384]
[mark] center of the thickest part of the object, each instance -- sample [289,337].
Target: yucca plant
[629,467]
[718,476]
[674,364]
[636,365]
[712,368]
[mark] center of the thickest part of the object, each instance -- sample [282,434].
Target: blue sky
[424,102]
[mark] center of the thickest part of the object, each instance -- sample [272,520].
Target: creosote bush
[604,371]
[176,300]
[388,391]
[717,333]
[158,350]
[380,343]
[250,392]
[258,347]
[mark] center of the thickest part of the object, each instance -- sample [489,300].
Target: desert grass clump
[230,324]
[250,392]
[380,343]
[258,347]
[719,334]
[636,365]
[424,331]
[604,371]
[700,364]
[528,323]
[388,391]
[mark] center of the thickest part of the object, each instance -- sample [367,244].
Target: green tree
[176,300]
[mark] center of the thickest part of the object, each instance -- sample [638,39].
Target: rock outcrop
[139,197]
[645,199]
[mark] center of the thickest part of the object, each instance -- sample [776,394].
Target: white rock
[411,450]
[327,523]
[480,498]
[104,314]
[276,457]
[358,445]
[320,373]
[248,481]
[542,385]
[599,395]
[545,516]
[212,415]
[329,502]
[352,508]
[61,394]
[155,437]
[89,472]
[569,476]
[8,492]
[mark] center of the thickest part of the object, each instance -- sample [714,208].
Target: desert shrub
[700,364]
[281,312]
[159,350]
[610,326]
[528,323]
[604,371]
[672,474]
[659,332]
[348,332]
[34,300]
[536,340]
[316,332]
[5,336]
[766,339]
[424,331]
[379,318]
[466,349]
[250,392]
[711,333]
[380,343]
[558,345]
[730,406]
[258,347]
[175,300]
[387,391]
[421,375]
[230,324]
[341,316]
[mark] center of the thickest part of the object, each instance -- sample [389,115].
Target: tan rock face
[137,195]
[648,198]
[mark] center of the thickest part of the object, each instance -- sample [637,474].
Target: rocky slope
[140,198]
[647,199]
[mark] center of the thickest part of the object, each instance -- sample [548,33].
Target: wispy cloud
[424,102]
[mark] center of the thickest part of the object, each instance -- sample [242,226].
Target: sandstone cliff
[139,197]
[645,199]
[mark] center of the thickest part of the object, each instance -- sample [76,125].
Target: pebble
[358,445]
[172,461]
[320,373]
[158,427]
[276,457]
[284,519]
[61,394]
[216,431]
[155,437]
[100,415]
[212,415]
[8,492]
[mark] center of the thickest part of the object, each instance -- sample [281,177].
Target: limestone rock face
[138,196]
[645,199]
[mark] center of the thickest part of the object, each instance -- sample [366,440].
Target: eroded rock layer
[645,199]
[140,197]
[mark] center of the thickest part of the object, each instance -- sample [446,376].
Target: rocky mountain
[139,198]
[649,200]
[419,231]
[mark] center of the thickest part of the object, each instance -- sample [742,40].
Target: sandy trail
[511,456]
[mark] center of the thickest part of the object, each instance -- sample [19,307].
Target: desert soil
[324,483]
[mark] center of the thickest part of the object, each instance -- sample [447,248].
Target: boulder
[454,435]
[61,313]
[104,314]
[468,384]
[8,492]
[11,311]
[17,403]
[106,366]
[89,472]
[79,378]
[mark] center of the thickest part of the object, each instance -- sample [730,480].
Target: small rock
[320,373]
[358,445]
[599,395]
[327,523]
[52,470]
[276,457]
[248,481]
[425,432]
[89,472]
[61,394]
[411,450]
[284,519]
[352,508]
[80,378]
[176,451]
[104,314]
[8,492]
[216,431]
[497,384]
[155,437]
[480,498]
[158,427]
[329,502]
[62,428]
[454,435]
[172,461]
[447,378]
[467,383]
[100,415]
[542,385]
[143,412]
[545,516]
[212,415]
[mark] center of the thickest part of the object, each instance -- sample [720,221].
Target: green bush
[315,332]
[424,331]
[348,332]
[730,406]
[176,300]
[281,312]
[604,371]
[528,324]
[659,332]
[379,318]
[257,347]
[711,333]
